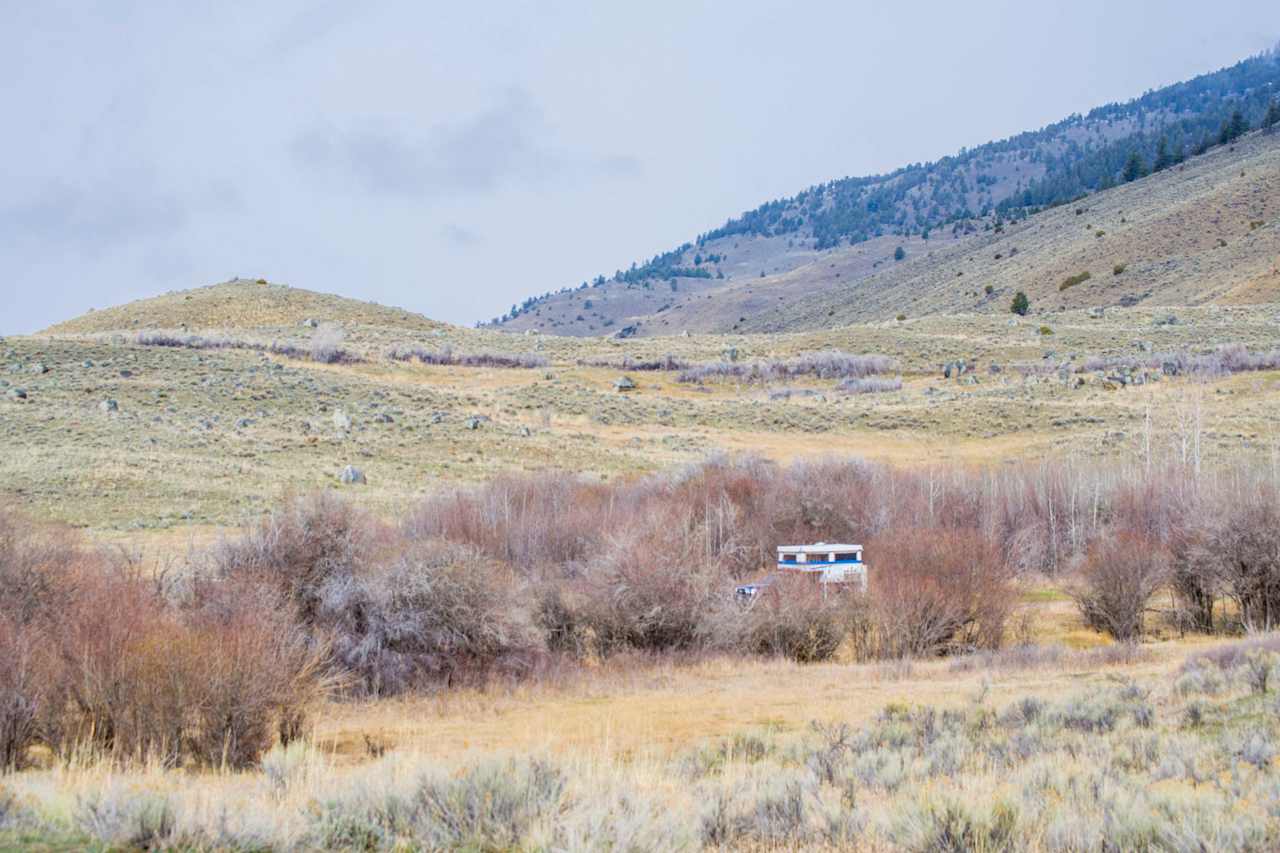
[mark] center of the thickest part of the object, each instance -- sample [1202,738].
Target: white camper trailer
[826,563]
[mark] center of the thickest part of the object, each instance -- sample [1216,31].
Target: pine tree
[1239,127]
[1163,159]
[1021,305]
[899,253]
[1273,116]
[1134,168]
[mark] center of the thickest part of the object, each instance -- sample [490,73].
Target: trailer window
[852,555]
[788,558]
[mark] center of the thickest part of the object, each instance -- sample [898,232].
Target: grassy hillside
[119,436]
[833,235]
[1206,231]
[241,304]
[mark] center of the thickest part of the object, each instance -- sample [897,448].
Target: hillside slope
[852,228]
[1207,231]
[241,304]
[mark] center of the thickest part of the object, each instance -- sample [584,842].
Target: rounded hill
[242,304]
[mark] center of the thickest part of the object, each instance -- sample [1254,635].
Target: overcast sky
[453,158]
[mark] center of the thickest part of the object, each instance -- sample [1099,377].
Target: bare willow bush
[651,590]
[96,657]
[937,592]
[1119,576]
[796,618]
[439,614]
[1244,546]
[300,547]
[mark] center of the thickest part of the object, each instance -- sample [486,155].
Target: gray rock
[244,423]
[1168,320]
[16,394]
[730,354]
[624,383]
[108,406]
[38,368]
[310,324]
[86,364]
[472,423]
[125,374]
[340,420]
[384,418]
[351,475]
[1097,312]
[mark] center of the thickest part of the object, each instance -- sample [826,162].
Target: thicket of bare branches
[1120,575]
[823,365]
[490,580]
[446,356]
[98,657]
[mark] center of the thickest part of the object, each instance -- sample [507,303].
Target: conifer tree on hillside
[1134,168]
[1273,116]
[1163,159]
[1233,129]
[1020,304]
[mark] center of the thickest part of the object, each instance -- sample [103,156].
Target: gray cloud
[62,217]
[508,144]
[455,235]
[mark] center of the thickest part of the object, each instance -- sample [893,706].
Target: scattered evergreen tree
[1163,159]
[1273,116]
[899,253]
[1134,168]
[1239,127]
[1021,304]
[1233,129]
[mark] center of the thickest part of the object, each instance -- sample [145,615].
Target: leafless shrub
[326,344]
[1245,548]
[448,357]
[1117,581]
[795,618]
[299,548]
[650,590]
[323,347]
[22,693]
[824,365]
[438,614]
[870,385]
[1233,655]
[1222,361]
[666,362]
[937,591]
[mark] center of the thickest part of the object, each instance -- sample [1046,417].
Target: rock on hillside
[242,304]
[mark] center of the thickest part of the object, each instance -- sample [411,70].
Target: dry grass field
[1065,753]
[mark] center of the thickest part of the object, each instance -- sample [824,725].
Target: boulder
[624,384]
[108,406]
[341,420]
[16,394]
[351,475]
[38,368]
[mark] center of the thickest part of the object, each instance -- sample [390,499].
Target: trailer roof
[821,547]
